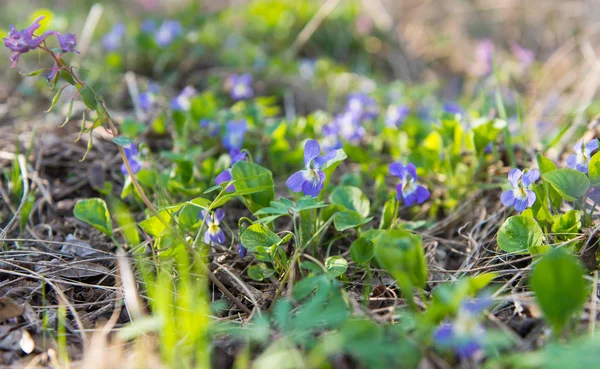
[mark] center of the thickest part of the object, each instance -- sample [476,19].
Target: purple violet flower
[167,32]
[464,335]
[148,25]
[330,139]
[67,42]
[520,197]
[213,222]
[210,126]
[183,101]
[525,56]
[484,57]
[451,107]
[408,190]
[240,86]
[583,154]
[362,105]
[131,152]
[395,115]
[23,41]
[148,98]
[349,126]
[235,134]
[225,176]
[312,179]
[112,40]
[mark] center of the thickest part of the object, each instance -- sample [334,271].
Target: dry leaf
[9,309]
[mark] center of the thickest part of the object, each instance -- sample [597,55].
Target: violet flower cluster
[23,41]
[348,124]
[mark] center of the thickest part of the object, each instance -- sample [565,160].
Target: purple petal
[582,167]
[296,181]
[312,188]
[412,170]
[444,335]
[224,176]
[397,169]
[530,198]
[578,146]
[219,237]
[531,176]
[467,349]
[476,306]
[521,204]
[242,251]
[572,161]
[409,198]
[513,177]
[311,151]
[203,215]
[237,155]
[508,198]
[321,160]
[207,237]
[219,215]
[421,194]
[591,147]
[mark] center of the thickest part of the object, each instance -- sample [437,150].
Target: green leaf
[387,215]
[69,111]
[34,73]
[486,133]
[260,272]
[362,251]
[55,99]
[546,165]
[519,233]
[336,265]
[570,183]
[559,285]
[88,96]
[67,77]
[122,141]
[155,227]
[347,219]
[594,170]
[250,175]
[351,198]
[95,213]
[568,224]
[401,254]
[258,235]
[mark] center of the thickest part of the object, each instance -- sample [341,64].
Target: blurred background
[443,45]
